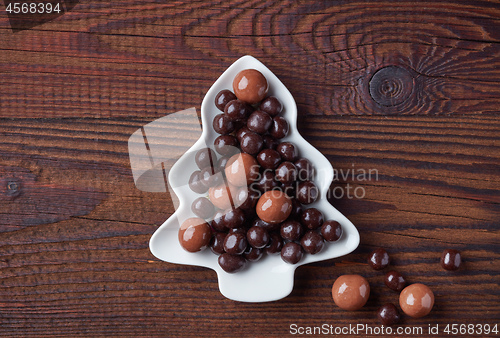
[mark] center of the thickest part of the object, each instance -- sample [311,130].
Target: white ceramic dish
[270,278]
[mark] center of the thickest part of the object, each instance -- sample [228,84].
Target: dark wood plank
[74,257]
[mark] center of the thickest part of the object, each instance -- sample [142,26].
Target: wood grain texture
[74,257]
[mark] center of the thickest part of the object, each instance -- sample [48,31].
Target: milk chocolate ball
[250,86]
[194,234]
[350,292]
[274,206]
[416,300]
[241,169]
[220,196]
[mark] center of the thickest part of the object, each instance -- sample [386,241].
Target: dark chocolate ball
[307,192]
[226,144]
[223,98]
[232,263]
[388,314]
[279,127]
[237,110]
[271,105]
[286,173]
[331,231]
[451,259]
[251,143]
[203,208]
[205,157]
[312,218]
[217,243]
[275,243]
[312,242]
[222,124]
[259,122]
[234,218]
[305,169]
[292,252]
[257,237]
[288,151]
[378,259]
[270,142]
[291,230]
[196,184]
[395,281]
[269,159]
[235,243]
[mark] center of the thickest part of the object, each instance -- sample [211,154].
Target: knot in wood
[11,187]
[391,85]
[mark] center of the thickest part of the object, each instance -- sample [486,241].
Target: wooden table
[409,89]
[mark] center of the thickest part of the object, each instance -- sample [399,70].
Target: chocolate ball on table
[274,206]
[194,234]
[388,314]
[416,300]
[395,281]
[350,292]
[250,86]
[451,259]
[241,169]
[378,259]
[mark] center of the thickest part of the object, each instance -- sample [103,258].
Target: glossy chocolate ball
[241,169]
[234,218]
[217,243]
[331,230]
[226,144]
[286,172]
[312,218]
[253,254]
[257,237]
[274,206]
[246,198]
[271,105]
[251,143]
[279,127]
[291,230]
[307,192]
[305,169]
[217,223]
[250,86]
[378,259]
[312,242]
[350,292]
[395,281]
[220,196]
[288,151]
[237,110]
[388,314]
[416,300]
[203,208]
[451,259]
[223,98]
[275,244]
[235,243]
[292,253]
[269,159]
[259,122]
[195,183]
[242,132]
[232,263]
[223,124]
[194,234]
[205,157]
